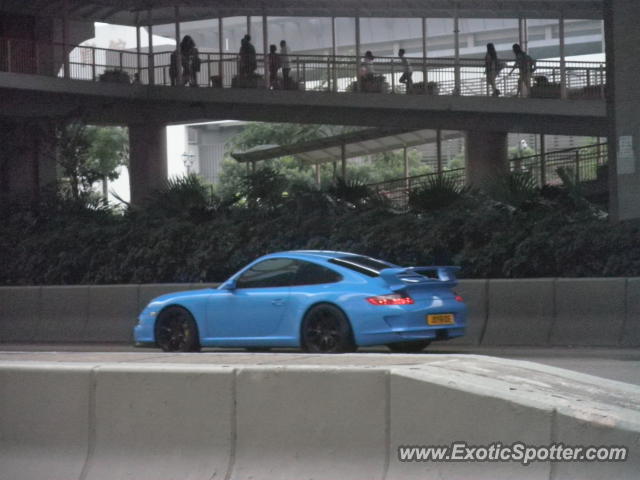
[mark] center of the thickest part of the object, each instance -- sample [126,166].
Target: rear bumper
[434,334]
[402,325]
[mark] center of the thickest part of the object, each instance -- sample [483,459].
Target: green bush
[188,234]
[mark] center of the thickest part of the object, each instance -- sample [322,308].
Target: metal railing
[581,164]
[435,76]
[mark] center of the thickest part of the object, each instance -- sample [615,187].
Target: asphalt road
[615,364]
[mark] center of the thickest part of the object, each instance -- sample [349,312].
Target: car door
[256,306]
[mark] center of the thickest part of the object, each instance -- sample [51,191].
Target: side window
[274,272]
[312,274]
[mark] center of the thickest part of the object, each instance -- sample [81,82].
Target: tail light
[391,299]
[459,298]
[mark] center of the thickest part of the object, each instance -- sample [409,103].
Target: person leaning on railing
[525,65]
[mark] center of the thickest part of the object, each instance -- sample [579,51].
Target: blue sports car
[320,301]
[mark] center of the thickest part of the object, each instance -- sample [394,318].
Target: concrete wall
[106,421]
[531,312]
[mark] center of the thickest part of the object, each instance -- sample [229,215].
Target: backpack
[531,64]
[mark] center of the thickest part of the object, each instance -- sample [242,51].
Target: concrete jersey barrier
[106,421]
[524,312]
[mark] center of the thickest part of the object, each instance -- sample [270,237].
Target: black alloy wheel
[409,347]
[176,331]
[325,329]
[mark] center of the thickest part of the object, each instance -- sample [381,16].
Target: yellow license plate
[440,319]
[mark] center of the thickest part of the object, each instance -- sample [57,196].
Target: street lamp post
[188,159]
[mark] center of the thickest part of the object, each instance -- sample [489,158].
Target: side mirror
[230,285]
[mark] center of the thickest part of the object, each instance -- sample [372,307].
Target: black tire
[325,329]
[176,331]
[409,347]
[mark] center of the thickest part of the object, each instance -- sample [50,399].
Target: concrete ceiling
[131,12]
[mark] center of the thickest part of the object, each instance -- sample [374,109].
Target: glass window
[365,265]
[312,274]
[274,272]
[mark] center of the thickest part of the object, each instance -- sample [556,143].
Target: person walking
[406,70]
[274,66]
[285,63]
[492,67]
[525,65]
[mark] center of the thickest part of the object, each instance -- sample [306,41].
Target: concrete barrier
[320,424]
[575,431]
[161,422]
[64,314]
[531,312]
[452,413]
[107,421]
[44,421]
[630,336]
[474,293]
[589,311]
[19,313]
[520,312]
[113,310]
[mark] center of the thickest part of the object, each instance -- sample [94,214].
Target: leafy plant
[515,189]
[437,192]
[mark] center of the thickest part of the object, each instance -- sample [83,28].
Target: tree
[109,149]
[88,154]
[376,168]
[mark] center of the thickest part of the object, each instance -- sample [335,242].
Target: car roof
[323,254]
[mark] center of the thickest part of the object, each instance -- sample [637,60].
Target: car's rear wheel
[325,329]
[176,331]
[409,347]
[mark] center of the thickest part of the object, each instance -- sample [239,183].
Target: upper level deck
[564,97]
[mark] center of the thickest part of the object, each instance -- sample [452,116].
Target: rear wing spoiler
[399,278]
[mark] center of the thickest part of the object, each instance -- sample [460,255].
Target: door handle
[278,302]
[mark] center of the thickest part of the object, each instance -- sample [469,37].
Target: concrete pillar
[147,159]
[357,25]
[27,159]
[151,63]
[265,42]
[138,49]
[563,60]
[178,49]
[65,39]
[623,108]
[486,157]
[343,160]
[424,53]
[220,50]
[334,75]
[456,44]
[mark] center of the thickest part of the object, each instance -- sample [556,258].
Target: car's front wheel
[325,329]
[409,347]
[176,331]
